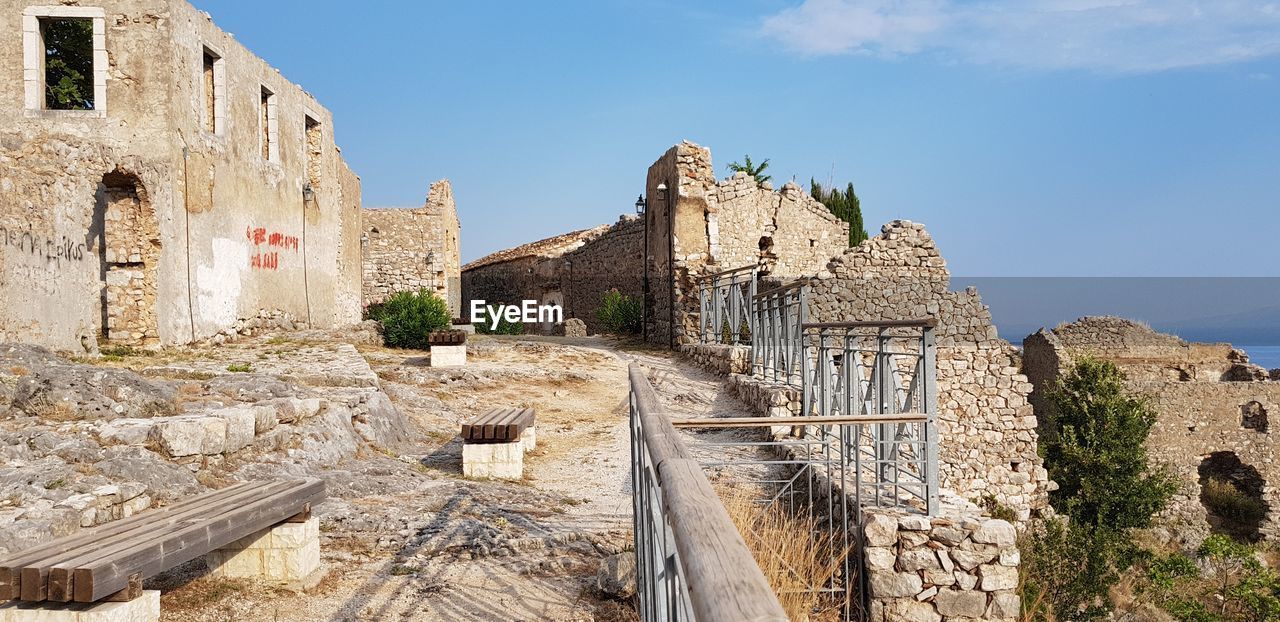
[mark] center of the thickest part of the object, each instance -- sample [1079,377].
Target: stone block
[448,356]
[145,608]
[242,424]
[908,610]
[879,558]
[880,529]
[997,532]
[955,603]
[1005,606]
[918,559]
[229,563]
[287,553]
[191,435]
[996,577]
[895,584]
[493,460]
[529,438]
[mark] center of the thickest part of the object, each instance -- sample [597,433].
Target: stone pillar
[288,553]
[493,460]
[145,608]
[448,356]
[939,570]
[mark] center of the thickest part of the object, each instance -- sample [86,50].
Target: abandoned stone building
[180,185]
[691,224]
[1212,423]
[414,249]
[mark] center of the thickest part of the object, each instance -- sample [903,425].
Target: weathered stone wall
[1200,415]
[694,225]
[204,227]
[412,249]
[986,426]
[934,570]
[699,226]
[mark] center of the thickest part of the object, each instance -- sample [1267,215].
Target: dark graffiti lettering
[53,249]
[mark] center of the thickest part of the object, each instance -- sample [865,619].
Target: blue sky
[1033,138]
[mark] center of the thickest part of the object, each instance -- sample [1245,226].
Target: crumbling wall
[223,229]
[986,425]
[605,263]
[1199,415]
[412,249]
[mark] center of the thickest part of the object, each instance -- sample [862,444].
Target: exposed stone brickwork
[1207,425]
[412,249]
[155,217]
[936,570]
[722,359]
[986,425]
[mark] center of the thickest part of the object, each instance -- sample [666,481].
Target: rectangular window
[214,82]
[315,149]
[64,60]
[269,132]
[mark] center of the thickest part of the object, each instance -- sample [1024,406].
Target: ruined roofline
[554,246]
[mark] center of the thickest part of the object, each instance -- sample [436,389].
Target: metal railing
[724,303]
[691,562]
[777,350]
[884,371]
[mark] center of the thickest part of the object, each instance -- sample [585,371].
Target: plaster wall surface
[219,224]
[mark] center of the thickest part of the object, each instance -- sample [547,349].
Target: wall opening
[1231,492]
[315,149]
[68,63]
[1253,416]
[214,87]
[127,242]
[269,130]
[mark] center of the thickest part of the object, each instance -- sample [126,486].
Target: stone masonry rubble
[413,249]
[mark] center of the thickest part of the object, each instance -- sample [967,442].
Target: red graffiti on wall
[270,259]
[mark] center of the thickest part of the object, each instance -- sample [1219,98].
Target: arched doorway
[1231,492]
[127,241]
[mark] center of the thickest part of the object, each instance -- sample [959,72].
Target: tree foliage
[1067,570]
[752,169]
[68,63]
[844,205]
[408,317]
[1094,447]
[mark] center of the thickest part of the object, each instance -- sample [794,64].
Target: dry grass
[792,551]
[203,593]
[61,412]
[19,370]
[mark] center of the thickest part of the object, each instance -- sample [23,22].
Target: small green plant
[408,317]
[620,313]
[1066,571]
[400,570]
[239,368]
[996,509]
[55,484]
[117,352]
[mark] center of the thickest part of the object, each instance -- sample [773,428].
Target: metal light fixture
[640,204]
[308,193]
[662,192]
[431,257]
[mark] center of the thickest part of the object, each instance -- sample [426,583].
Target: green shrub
[1094,446]
[408,317]
[484,325]
[1067,570]
[620,313]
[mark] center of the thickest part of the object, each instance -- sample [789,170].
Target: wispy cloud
[1102,35]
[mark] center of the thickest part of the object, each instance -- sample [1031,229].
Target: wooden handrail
[928,322]
[760,422]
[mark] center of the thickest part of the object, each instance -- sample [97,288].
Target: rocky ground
[86,441]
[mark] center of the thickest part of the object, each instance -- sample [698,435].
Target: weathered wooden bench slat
[498,425]
[11,568]
[114,558]
[59,571]
[108,576]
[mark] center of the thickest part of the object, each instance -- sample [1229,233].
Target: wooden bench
[494,443]
[111,561]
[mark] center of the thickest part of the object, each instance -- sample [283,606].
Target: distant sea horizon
[1266,356]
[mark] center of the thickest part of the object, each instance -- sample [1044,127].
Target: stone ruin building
[1212,406]
[693,224]
[413,249]
[191,187]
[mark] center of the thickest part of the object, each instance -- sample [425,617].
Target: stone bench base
[288,553]
[448,356]
[498,460]
[145,608]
